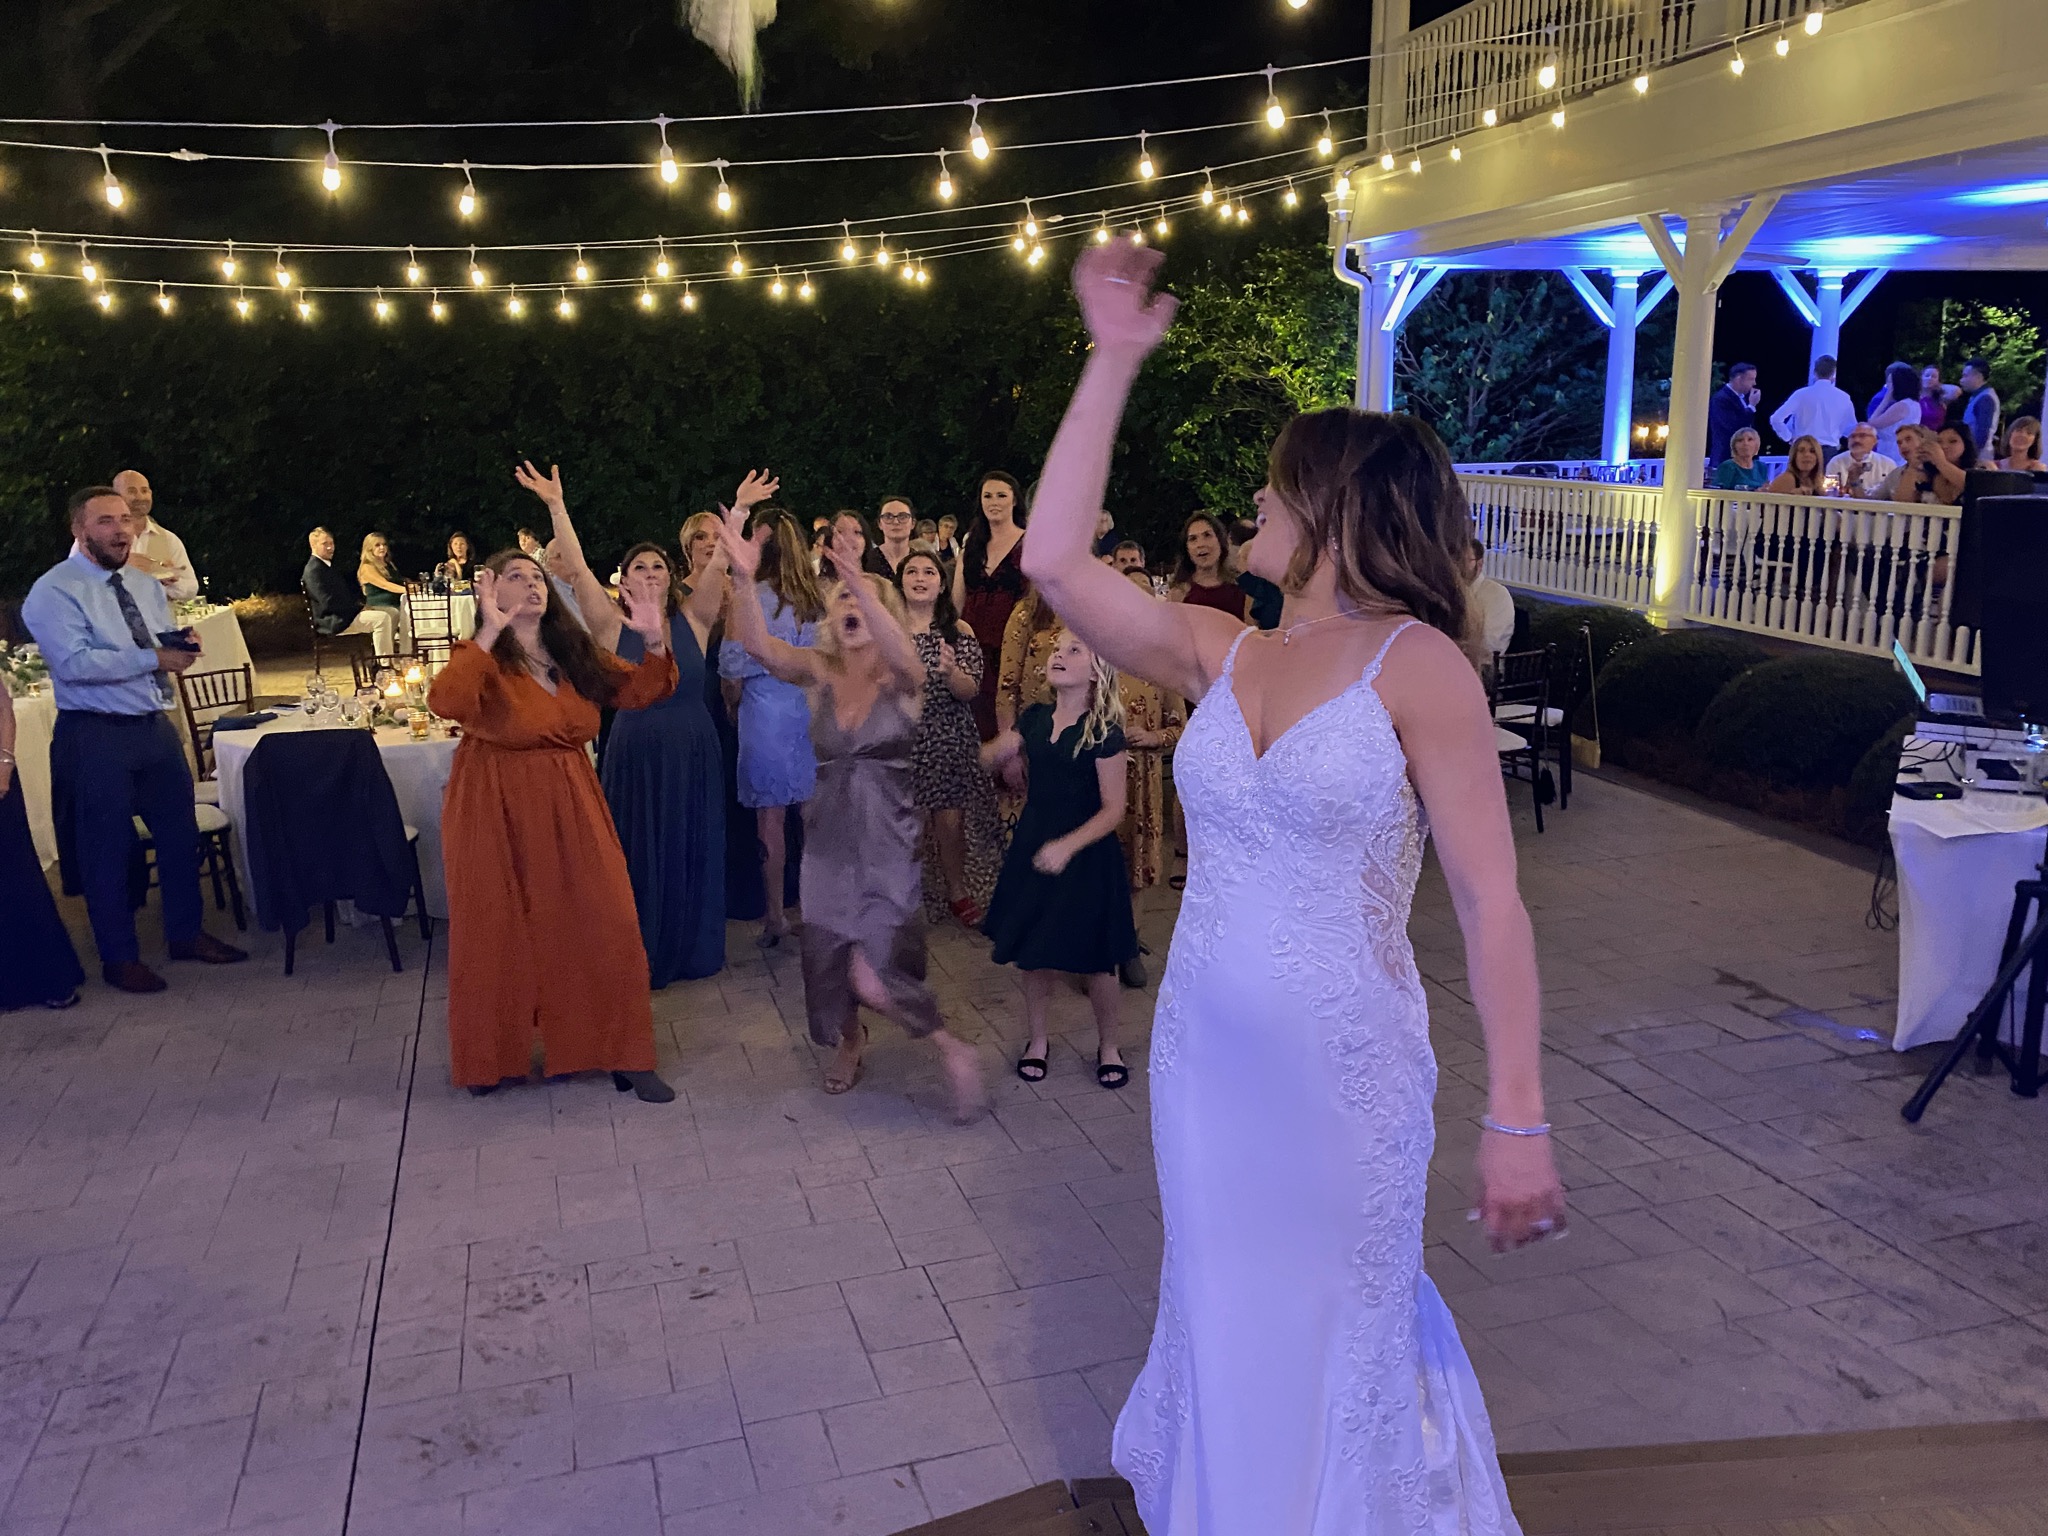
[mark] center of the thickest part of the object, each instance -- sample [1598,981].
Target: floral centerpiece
[24,666]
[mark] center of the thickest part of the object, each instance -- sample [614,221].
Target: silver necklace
[1287,634]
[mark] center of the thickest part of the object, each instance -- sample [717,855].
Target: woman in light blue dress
[777,767]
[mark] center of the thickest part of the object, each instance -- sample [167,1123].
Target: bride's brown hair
[1375,492]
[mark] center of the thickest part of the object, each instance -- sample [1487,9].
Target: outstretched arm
[791,663]
[600,614]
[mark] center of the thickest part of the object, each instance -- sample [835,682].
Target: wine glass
[309,704]
[352,710]
[314,683]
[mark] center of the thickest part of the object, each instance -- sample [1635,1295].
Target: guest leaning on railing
[1740,470]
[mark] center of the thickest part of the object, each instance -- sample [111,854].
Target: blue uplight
[2007,194]
[1861,248]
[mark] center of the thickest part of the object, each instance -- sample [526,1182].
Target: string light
[907,272]
[465,202]
[977,141]
[1557,118]
[15,291]
[777,288]
[1386,157]
[564,305]
[281,272]
[1415,165]
[228,264]
[1137,234]
[1146,170]
[582,268]
[1030,223]
[163,299]
[1162,228]
[804,290]
[1224,210]
[661,266]
[668,170]
[1290,197]
[1457,154]
[1814,19]
[921,273]
[689,297]
[1546,77]
[1276,115]
[305,309]
[242,305]
[1324,142]
[1783,45]
[382,307]
[882,256]
[436,308]
[646,295]
[1642,82]
[1244,214]
[1102,231]
[515,306]
[848,251]
[1208,189]
[105,302]
[476,273]
[1037,255]
[724,197]
[738,265]
[1490,117]
[945,180]
[1735,64]
[87,269]
[1343,187]
[330,168]
[110,184]
[36,258]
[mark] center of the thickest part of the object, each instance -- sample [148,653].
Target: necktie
[140,631]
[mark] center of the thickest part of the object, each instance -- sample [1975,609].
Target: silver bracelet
[1487,1122]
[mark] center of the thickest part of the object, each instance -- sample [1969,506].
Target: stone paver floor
[762,1310]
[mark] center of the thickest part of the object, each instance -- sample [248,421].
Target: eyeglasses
[895,517]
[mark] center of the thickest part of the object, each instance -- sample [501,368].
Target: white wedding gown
[1305,1379]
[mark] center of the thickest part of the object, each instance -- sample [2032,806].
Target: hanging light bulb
[646,295]
[228,265]
[1325,144]
[279,272]
[1162,228]
[724,197]
[1018,244]
[882,253]
[1037,255]
[689,297]
[87,267]
[1343,187]
[382,307]
[1146,169]
[14,289]
[777,288]
[1415,165]
[582,269]
[738,265]
[945,180]
[163,299]
[848,251]
[1641,82]
[1557,118]
[1030,221]
[1457,154]
[1814,18]
[921,273]
[436,308]
[515,306]
[465,201]
[564,305]
[666,167]
[1546,77]
[1224,210]
[1490,117]
[305,308]
[1735,64]
[1290,198]
[1102,232]
[1208,190]
[1387,158]
[1244,214]
[242,305]
[804,290]
[661,266]
[36,258]
[1137,234]
[330,167]
[476,273]
[1276,115]
[907,272]
[110,184]
[414,273]
[1783,45]
[977,141]
[105,302]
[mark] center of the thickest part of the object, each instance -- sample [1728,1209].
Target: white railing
[1486,55]
[1576,538]
[1854,575]
[1634,472]
[1851,575]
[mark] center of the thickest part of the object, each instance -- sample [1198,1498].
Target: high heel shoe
[648,1085]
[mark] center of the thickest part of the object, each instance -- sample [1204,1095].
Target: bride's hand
[1521,1197]
[1114,285]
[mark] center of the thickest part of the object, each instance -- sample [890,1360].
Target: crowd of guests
[1915,440]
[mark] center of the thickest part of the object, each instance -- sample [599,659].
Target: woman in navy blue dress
[37,962]
[661,773]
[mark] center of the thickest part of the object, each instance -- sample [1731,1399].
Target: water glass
[419,723]
[310,704]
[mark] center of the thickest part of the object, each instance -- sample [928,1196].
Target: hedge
[1656,692]
[1804,722]
[1613,628]
[1870,784]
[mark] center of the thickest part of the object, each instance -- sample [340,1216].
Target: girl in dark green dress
[1063,901]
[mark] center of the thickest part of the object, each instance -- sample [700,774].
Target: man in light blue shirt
[106,634]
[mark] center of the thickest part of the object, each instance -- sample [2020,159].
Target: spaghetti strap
[1372,668]
[1230,657]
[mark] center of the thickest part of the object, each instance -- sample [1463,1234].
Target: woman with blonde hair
[863,937]
[1305,1374]
[777,768]
[1804,473]
[378,578]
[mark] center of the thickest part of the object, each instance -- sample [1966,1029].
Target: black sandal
[1111,1074]
[1031,1068]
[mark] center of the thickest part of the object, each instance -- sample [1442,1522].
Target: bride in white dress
[1305,1379]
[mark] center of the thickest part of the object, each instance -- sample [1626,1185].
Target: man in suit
[337,601]
[1732,408]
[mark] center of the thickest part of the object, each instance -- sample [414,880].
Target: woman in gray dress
[863,933]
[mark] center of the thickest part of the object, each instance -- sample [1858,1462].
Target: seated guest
[337,603]
[1740,470]
[1861,470]
[456,568]
[2023,446]
[38,966]
[115,754]
[1129,556]
[379,580]
[1803,474]
[531,547]
[1936,463]
[1490,610]
[158,552]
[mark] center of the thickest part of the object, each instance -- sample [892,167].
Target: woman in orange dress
[543,935]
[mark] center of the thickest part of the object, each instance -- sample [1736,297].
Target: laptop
[1957,708]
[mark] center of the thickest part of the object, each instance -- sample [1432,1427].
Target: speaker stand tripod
[2026,941]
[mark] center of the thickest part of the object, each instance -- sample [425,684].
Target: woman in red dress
[543,938]
[989,579]
[1200,578]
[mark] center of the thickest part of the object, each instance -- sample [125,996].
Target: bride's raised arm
[1171,644]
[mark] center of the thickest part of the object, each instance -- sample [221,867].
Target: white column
[1827,329]
[1386,87]
[1375,341]
[1621,366]
[1692,369]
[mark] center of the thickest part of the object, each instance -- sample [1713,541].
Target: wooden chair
[367,666]
[216,860]
[204,697]
[1521,690]
[350,644]
[1565,687]
[432,619]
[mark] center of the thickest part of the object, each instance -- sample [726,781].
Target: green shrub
[1613,628]
[1657,690]
[1870,785]
[1804,722]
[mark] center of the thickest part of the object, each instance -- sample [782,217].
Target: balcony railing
[1486,55]
[1852,575]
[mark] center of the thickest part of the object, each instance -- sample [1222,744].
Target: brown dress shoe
[208,950]
[133,976]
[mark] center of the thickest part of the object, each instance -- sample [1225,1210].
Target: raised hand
[845,562]
[1114,285]
[757,487]
[489,615]
[642,596]
[548,488]
[742,551]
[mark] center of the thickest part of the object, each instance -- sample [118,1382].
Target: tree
[1948,332]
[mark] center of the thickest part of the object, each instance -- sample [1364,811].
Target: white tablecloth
[35,717]
[419,772]
[1958,861]
[220,642]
